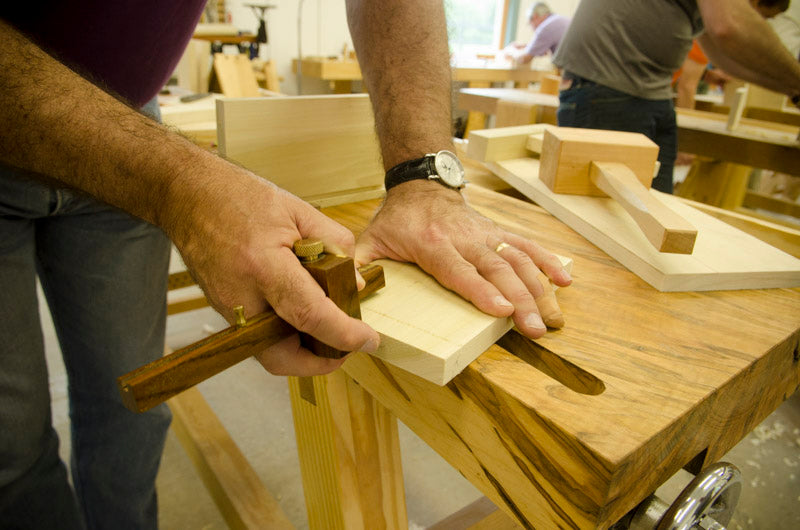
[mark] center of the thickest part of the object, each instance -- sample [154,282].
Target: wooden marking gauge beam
[163,378]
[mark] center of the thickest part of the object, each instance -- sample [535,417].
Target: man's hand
[425,223]
[240,252]
[234,230]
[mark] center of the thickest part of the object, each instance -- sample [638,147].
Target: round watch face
[449,169]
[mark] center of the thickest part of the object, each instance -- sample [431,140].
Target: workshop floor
[255,408]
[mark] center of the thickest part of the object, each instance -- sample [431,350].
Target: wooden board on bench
[321,148]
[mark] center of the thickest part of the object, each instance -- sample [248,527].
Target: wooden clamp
[155,382]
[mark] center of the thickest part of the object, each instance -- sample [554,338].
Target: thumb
[366,250]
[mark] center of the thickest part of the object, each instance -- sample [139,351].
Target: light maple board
[426,329]
[323,149]
[723,258]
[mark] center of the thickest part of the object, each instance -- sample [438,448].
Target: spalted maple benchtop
[683,374]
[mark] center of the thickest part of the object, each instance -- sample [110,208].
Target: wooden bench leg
[715,182]
[349,455]
[476,120]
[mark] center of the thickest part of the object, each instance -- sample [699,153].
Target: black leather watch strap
[416,169]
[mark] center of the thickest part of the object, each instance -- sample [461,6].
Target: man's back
[630,45]
[548,36]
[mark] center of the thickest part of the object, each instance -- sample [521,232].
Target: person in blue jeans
[618,57]
[104,275]
[92,189]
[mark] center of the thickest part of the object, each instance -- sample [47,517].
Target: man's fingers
[336,238]
[545,260]
[365,251]
[288,357]
[514,274]
[548,304]
[537,282]
[457,274]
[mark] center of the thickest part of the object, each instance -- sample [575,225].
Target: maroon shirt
[128,47]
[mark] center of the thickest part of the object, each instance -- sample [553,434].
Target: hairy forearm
[68,130]
[403,54]
[735,68]
[742,43]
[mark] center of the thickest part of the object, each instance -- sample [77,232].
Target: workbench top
[650,382]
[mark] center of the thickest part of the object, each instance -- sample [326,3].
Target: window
[475,27]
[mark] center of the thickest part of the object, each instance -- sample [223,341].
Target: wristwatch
[442,167]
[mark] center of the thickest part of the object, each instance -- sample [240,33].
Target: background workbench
[756,143]
[342,72]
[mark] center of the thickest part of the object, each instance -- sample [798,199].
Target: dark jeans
[104,274]
[591,106]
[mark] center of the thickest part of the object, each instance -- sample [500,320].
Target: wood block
[236,76]
[550,84]
[426,329]
[567,154]
[321,148]
[762,98]
[488,145]
[476,173]
[666,230]
[738,104]
[194,69]
[335,275]
[201,111]
[197,120]
[723,258]
[271,81]
[511,113]
[535,142]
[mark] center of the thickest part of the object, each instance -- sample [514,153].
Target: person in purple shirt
[93,188]
[548,30]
